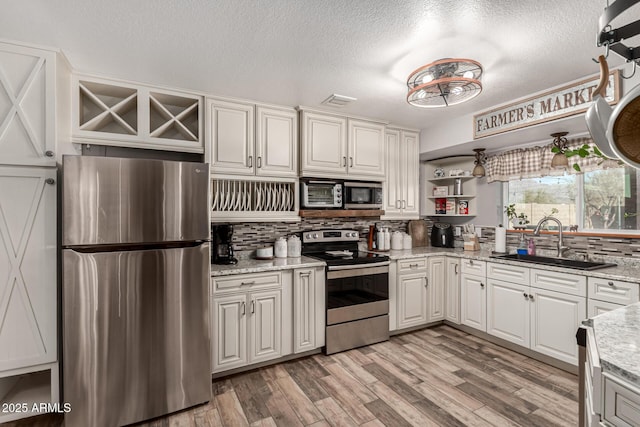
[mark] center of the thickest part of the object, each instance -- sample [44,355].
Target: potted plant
[518,220]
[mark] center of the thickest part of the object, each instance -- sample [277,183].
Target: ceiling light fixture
[478,170]
[559,160]
[444,82]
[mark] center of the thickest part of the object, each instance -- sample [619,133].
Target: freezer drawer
[136,334]
[125,201]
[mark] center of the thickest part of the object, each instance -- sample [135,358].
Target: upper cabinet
[30,79]
[245,139]
[402,192]
[334,146]
[110,112]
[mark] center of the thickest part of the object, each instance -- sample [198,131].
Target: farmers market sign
[565,101]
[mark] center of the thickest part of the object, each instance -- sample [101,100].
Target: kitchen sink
[559,262]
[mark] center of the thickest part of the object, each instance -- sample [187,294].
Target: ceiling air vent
[336,100]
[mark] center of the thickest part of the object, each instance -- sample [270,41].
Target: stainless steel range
[357,289]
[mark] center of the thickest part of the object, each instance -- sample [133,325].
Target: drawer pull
[253,306]
[611,284]
[455,268]
[253,282]
[470,262]
[413,265]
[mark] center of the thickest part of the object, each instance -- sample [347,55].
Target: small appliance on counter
[442,235]
[320,194]
[222,250]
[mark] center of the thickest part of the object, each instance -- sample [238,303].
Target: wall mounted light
[444,83]
[559,159]
[478,170]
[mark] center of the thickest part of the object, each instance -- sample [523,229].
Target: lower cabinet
[473,298]
[308,309]
[452,290]
[412,293]
[247,317]
[436,288]
[606,295]
[528,314]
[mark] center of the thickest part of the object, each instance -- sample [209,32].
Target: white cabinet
[537,309]
[473,298]
[276,142]
[606,295]
[248,316]
[248,139]
[621,402]
[231,137]
[401,195]
[308,309]
[31,81]
[412,293]
[436,288]
[28,288]
[118,113]
[339,147]
[452,290]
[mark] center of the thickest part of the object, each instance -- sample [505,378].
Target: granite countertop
[617,336]
[625,272]
[259,266]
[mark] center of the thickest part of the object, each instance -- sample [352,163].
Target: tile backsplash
[252,235]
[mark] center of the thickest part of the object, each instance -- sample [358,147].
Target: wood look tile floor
[433,377]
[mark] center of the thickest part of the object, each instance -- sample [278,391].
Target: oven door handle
[357,266]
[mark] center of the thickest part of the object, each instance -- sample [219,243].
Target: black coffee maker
[221,249]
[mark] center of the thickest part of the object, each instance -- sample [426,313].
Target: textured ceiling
[298,52]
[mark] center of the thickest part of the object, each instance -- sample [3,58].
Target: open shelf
[107,108]
[20,392]
[459,215]
[455,196]
[174,117]
[450,179]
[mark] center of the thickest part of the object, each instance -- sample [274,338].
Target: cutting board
[419,233]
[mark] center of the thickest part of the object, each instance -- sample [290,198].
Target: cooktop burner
[337,247]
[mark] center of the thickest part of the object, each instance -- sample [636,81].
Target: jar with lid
[281,248]
[294,247]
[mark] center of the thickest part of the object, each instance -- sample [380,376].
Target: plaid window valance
[535,162]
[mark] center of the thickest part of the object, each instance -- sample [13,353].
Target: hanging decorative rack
[611,38]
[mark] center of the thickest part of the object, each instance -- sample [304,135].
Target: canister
[281,248]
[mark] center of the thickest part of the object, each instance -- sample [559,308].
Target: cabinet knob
[526,295]
[50,181]
[610,284]
[482,285]
[49,153]
[531,297]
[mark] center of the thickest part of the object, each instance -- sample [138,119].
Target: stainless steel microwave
[320,194]
[362,195]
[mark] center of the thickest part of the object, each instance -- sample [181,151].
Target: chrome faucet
[561,247]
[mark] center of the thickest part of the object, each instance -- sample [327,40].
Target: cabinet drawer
[246,282]
[613,291]
[559,282]
[472,266]
[595,307]
[508,273]
[621,403]
[412,264]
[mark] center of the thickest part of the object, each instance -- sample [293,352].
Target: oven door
[357,292]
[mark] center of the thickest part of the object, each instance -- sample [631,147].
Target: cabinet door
[276,142]
[393,185]
[412,299]
[473,302]
[27,100]
[28,288]
[231,137]
[366,149]
[265,325]
[410,163]
[436,286]
[452,290]
[508,311]
[304,311]
[324,145]
[555,317]
[229,337]
[595,307]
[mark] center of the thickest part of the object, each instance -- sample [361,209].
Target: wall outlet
[478,231]
[458,230]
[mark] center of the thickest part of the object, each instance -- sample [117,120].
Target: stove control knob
[315,235]
[347,234]
[309,236]
[354,234]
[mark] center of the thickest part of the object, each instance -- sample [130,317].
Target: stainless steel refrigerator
[135,277]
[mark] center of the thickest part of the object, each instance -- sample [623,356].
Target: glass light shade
[478,171]
[559,161]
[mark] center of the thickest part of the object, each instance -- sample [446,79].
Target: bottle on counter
[531,249]
[380,239]
[387,239]
[371,238]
